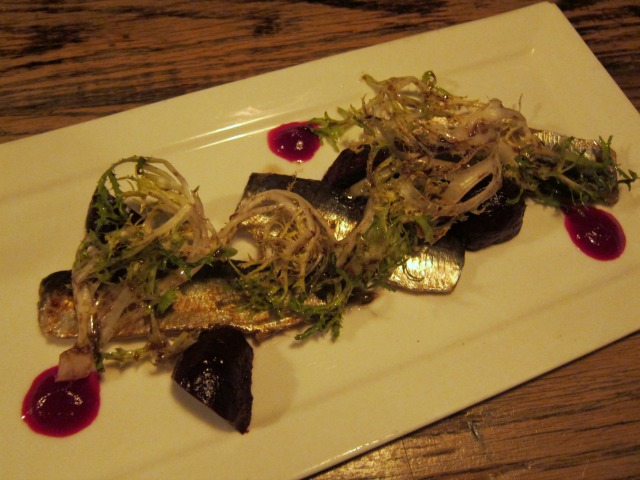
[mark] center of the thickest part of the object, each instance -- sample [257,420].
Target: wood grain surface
[65,62]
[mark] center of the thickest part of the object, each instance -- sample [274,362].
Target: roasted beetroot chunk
[217,371]
[350,166]
[500,221]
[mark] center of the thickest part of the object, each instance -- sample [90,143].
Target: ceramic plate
[403,362]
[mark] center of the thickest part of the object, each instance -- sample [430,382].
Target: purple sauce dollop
[294,141]
[595,232]
[60,409]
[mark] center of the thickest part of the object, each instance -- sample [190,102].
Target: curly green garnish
[146,235]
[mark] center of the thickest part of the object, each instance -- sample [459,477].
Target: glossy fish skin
[206,301]
[593,152]
[591,149]
[436,269]
[56,311]
[341,212]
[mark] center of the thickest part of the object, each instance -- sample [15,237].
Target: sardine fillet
[206,301]
[434,269]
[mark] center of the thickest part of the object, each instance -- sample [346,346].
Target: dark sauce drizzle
[294,141]
[595,232]
[60,409]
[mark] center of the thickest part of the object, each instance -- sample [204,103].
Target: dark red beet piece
[217,371]
[351,166]
[500,221]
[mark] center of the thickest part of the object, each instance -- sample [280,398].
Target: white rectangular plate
[405,361]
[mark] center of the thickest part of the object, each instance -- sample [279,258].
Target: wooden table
[65,62]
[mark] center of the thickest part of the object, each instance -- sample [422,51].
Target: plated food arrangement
[421,175]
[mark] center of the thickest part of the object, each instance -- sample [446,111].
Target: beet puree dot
[60,409]
[294,141]
[595,232]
